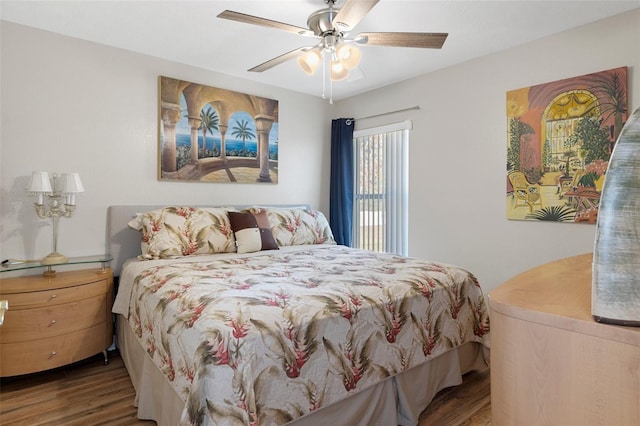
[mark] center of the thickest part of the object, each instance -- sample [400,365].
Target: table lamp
[61,202]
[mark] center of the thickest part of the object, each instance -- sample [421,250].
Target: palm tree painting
[243,131]
[560,136]
[208,123]
[210,134]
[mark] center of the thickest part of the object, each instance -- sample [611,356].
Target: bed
[252,315]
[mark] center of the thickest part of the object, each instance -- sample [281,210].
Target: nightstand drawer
[22,325]
[38,355]
[54,321]
[54,297]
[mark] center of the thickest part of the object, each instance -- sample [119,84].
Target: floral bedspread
[265,339]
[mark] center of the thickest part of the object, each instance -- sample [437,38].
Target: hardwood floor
[86,393]
[90,393]
[466,405]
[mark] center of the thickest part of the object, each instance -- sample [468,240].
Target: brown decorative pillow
[252,232]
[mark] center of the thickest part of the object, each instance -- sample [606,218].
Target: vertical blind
[381,195]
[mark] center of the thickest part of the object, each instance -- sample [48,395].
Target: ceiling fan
[331,26]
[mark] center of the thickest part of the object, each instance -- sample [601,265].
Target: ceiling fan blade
[279,59]
[424,40]
[352,12]
[256,20]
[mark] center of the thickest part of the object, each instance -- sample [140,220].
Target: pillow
[297,226]
[136,222]
[252,232]
[184,231]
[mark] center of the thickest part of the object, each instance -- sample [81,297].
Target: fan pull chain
[324,74]
[330,91]
[324,79]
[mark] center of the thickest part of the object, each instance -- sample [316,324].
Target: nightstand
[55,320]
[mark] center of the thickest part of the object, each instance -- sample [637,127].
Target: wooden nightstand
[54,321]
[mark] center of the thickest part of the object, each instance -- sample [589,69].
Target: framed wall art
[560,136]
[209,134]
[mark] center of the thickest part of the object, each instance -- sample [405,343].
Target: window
[381,195]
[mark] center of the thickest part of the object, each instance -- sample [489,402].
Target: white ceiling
[189,32]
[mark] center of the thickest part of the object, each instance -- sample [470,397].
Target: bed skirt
[398,400]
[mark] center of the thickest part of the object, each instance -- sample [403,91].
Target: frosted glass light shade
[39,183]
[309,61]
[349,56]
[338,71]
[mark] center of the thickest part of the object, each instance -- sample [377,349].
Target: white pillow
[248,240]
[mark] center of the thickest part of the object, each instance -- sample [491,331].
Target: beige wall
[458,147]
[72,105]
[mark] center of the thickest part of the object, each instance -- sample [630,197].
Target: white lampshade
[71,183]
[349,55]
[39,183]
[309,61]
[338,71]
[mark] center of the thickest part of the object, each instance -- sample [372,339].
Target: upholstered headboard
[123,242]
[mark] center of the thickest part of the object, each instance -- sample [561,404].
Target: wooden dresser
[551,363]
[54,321]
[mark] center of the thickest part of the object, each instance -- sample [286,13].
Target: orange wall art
[560,136]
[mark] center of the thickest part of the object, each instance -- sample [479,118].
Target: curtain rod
[390,112]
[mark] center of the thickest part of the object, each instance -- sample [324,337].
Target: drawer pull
[53,322]
[52,354]
[53,296]
[4,306]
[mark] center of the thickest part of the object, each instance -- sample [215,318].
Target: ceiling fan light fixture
[349,55]
[309,61]
[338,71]
[336,55]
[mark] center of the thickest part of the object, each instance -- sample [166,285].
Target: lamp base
[54,258]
